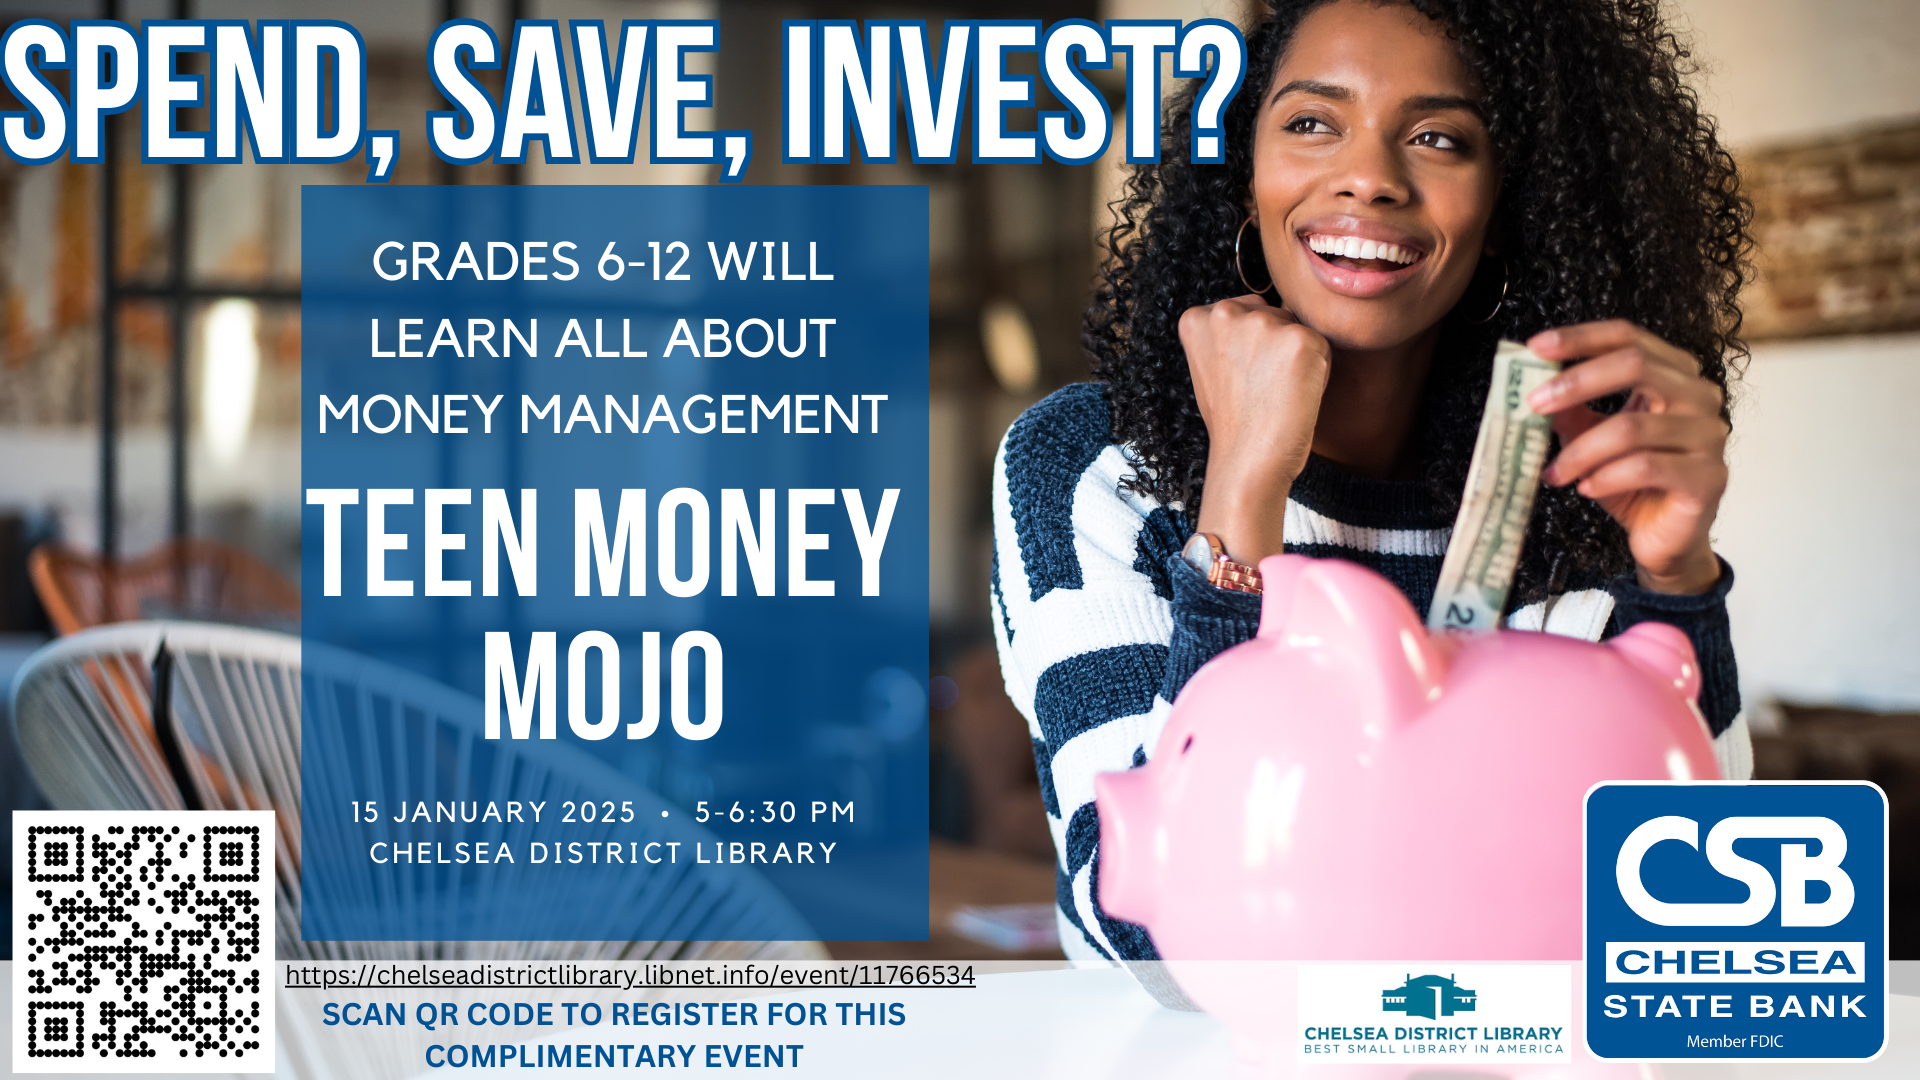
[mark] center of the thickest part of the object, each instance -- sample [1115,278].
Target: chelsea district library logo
[1429,995]
[1736,921]
[1479,1014]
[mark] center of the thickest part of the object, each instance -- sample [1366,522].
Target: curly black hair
[1617,202]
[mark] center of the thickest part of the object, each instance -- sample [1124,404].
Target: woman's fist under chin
[1258,376]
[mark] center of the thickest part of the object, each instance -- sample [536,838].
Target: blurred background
[150,373]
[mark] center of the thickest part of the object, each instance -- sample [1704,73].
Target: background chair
[94,737]
[190,579]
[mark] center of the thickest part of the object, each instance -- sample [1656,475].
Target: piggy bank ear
[1664,652]
[1348,609]
[1277,576]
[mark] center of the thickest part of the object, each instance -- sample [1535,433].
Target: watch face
[1198,553]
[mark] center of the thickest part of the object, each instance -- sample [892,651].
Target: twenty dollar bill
[1498,501]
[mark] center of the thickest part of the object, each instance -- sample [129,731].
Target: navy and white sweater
[1099,622]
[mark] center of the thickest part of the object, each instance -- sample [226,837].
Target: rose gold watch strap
[1239,577]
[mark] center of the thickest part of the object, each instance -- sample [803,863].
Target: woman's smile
[1358,254]
[1360,258]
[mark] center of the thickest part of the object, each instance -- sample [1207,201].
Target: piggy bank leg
[1255,999]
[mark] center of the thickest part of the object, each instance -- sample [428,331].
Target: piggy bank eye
[1188,745]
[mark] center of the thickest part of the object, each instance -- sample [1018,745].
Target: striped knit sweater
[1099,622]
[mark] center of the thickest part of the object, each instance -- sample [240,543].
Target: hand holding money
[1658,466]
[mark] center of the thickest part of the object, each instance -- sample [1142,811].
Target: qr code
[143,941]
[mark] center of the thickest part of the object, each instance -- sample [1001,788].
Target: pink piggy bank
[1348,786]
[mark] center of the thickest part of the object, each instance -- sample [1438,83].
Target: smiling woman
[1295,349]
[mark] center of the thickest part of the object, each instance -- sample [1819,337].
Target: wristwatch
[1205,553]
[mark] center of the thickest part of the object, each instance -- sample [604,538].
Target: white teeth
[1353,247]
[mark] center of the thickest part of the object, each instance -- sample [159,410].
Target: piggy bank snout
[1128,884]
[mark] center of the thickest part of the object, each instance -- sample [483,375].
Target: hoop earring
[1240,267]
[1505,281]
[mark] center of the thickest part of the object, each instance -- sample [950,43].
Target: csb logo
[1798,870]
[1736,921]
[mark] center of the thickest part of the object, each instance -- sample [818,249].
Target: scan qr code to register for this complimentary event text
[143,941]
